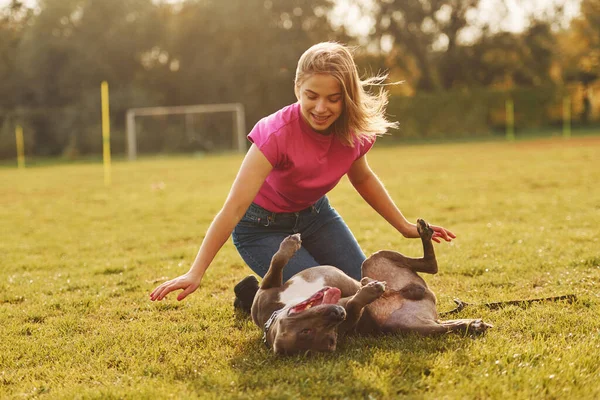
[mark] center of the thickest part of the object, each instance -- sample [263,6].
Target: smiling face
[314,329]
[321,101]
[308,326]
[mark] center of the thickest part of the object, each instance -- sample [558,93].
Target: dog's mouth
[327,295]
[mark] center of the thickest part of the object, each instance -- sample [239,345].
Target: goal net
[193,128]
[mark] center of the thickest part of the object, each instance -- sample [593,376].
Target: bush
[474,113]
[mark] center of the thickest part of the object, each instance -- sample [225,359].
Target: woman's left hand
[439,232]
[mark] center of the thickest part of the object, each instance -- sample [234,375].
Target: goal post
[239,122]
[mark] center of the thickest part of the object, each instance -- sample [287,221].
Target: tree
[237,51]
[580,45]
[425,35]
[509,59]
[67,49]
[443,44]
[13,21]
[151,53]
[580,52]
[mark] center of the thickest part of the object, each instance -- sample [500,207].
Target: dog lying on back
[307,312]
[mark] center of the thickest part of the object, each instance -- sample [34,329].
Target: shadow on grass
[362,366]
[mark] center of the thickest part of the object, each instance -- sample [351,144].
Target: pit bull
[307,312]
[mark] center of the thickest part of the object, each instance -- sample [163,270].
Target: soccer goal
[238,138]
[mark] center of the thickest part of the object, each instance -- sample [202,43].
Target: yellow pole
[567,117]
[20,147]
[105,132]
[510,120]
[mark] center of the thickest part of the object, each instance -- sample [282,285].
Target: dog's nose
[336,312]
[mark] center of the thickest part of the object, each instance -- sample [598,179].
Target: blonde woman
[299,154]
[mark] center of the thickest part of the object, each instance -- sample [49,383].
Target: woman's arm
[252,174]
[368,185]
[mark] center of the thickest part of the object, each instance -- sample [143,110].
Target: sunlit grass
[78,261]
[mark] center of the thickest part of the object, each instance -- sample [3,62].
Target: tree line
[53,57]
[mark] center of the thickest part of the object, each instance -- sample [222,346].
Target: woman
[297,156]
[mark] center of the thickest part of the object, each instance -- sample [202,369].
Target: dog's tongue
[332,295]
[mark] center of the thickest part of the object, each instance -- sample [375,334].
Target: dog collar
[269,323]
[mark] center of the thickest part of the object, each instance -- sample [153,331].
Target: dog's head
[307,326]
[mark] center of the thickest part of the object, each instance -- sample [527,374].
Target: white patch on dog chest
[300,290]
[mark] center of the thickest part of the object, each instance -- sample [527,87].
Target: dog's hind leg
[385,263]
[465,325]
[287,248]
[407,322]
[428,263]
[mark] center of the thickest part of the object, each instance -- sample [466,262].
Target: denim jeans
[326,239]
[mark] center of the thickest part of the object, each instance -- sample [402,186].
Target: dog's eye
[305,331]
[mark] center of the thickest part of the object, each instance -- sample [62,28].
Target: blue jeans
[326,239]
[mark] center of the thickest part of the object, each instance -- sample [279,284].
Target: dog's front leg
[370,291]
[287,248]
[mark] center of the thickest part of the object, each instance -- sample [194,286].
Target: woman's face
[321,101]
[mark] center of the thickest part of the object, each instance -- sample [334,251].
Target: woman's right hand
[188,282]
[252,174]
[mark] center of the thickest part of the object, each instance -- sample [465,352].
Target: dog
[309,311]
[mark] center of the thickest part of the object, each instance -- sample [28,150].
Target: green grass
[78,261]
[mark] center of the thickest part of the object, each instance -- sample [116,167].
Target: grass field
[78,261]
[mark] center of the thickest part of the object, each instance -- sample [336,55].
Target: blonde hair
[363,113]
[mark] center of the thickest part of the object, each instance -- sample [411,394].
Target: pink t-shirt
[306,164]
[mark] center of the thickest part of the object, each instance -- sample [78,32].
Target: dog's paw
[371,290]
[477,326]
[424,229]
[291,244]
[366,280]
